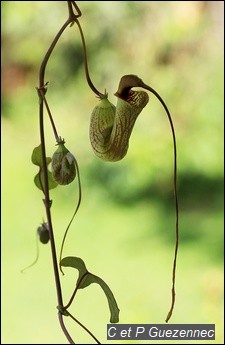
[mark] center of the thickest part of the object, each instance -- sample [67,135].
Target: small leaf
[91,278]
[36,156]
[36,159]
[78,263]
[39,180]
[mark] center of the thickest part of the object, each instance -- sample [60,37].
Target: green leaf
[114,310]
[72,261]
[39,180]
[36,156]
[90,278]
[36,159]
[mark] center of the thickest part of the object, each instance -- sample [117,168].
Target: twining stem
[85,328]
[60,316]
[42,95]
[47,55]
[75,290]
[47,200]
[47,203]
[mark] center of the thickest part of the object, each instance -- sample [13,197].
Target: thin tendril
[77,207]
[37,255]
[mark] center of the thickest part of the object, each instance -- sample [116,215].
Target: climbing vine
[110,130]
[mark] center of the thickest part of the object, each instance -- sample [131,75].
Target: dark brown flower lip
[134,98]
[124,94]
[137,98]
[126,83]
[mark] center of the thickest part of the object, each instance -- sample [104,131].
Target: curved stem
[47,203]
[60,316]
[47,55]
[42,95]
[175,198]
[85,328]
[72,14]
[75,291]
[93,88]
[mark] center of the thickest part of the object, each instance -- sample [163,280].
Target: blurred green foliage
[125,227]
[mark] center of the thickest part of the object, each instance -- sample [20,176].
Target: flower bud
[43,233]
[63,165]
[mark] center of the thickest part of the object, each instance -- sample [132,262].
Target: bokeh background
[124,230]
